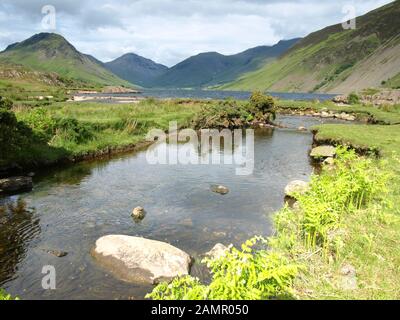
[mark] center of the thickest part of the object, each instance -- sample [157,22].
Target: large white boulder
[136,259]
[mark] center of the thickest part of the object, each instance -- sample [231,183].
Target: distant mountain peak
[51,52]
[136,69]
[213,68]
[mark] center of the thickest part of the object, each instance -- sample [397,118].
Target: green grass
[372,235]
[384,114]
[393,82]
[366,238]
[67,130]
[385,138]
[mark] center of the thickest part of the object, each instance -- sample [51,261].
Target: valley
[127,175]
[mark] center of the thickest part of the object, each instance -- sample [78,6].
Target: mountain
[336,60]
[212,68]
[51,52]
[136,69]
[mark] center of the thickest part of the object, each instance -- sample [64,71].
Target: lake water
[71,207]
[217,94]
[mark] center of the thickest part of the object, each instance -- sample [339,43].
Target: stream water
[71,207]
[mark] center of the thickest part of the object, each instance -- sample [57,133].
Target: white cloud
[168,31]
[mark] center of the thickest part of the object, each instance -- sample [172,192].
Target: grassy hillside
[212,68]
[336,60]
[50,52]
[26,86]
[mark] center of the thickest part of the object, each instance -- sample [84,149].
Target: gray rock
[136,259]
[138,213]
[323,152]
[296,186]
[188,222]
[329,161]
[302,129]
[15,184]
[217,251]
[341,99]
[349,117]
[348,277]
[220,189]
[57,253]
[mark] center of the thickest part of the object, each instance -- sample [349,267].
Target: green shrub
[247,274]
[41,122]
[353,98]
[5,103]
[262,102]
[233,114]
[72,130]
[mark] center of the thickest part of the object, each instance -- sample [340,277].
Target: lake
[71,207]
[213,94]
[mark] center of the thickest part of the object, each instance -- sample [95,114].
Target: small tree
[262,102]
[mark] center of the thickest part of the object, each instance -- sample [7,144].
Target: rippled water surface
[71,207]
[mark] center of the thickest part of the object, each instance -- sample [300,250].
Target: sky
[169,31]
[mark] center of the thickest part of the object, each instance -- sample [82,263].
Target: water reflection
[18,226]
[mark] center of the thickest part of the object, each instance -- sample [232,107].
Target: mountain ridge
[212,68]
[51,52]
[335,60]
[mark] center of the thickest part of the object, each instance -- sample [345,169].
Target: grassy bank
[43,134]
[49,133]
[383,114]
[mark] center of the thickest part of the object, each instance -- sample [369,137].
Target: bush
[233,114]
[72,130]
[5,104]
[13,134]
[41,122]
[247,274]
[353,98]
[262,102]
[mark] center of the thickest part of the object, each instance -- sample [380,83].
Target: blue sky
[169,31]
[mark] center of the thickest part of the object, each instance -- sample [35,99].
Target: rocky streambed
[70,209]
